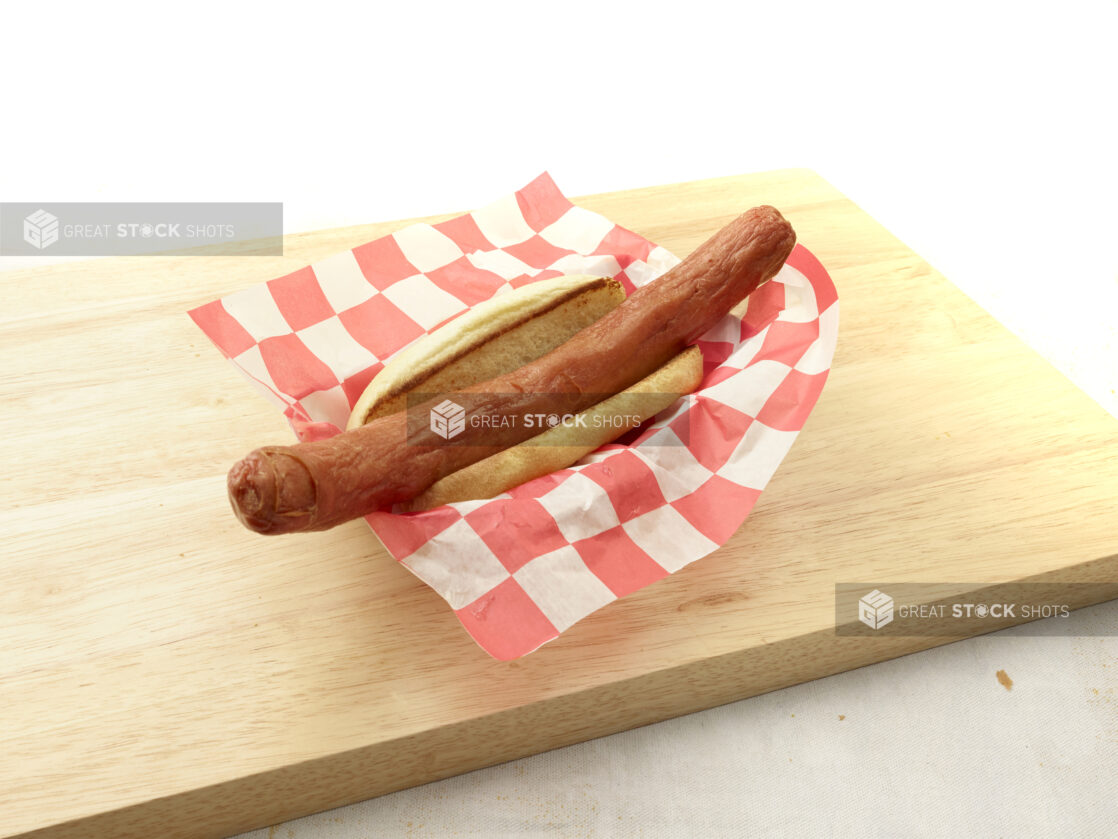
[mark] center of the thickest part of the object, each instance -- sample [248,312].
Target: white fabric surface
[931,744]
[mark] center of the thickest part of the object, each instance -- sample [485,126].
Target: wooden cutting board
[164,672]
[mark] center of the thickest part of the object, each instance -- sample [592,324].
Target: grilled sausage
[317,485]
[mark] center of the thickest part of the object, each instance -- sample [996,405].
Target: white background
[982,134]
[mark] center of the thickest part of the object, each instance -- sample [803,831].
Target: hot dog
[317,485]
[498,336]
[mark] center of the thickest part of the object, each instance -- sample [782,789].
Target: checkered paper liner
[521,568]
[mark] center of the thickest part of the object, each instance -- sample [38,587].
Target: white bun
[493,338]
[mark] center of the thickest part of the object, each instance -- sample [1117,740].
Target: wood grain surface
[164,672]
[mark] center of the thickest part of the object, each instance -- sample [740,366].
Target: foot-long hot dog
[317,485]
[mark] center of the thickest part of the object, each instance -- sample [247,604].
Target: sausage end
[272,492]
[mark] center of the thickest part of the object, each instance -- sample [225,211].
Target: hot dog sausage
[317,485]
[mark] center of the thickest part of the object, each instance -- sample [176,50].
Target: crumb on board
[1004,680]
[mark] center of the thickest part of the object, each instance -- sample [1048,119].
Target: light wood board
[164,672]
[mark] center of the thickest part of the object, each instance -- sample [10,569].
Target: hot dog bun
[491,339]
[566,444]
[498,336]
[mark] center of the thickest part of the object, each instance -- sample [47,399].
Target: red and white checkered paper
[521,568]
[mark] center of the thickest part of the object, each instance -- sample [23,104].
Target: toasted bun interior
[564,445]
[491,339]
